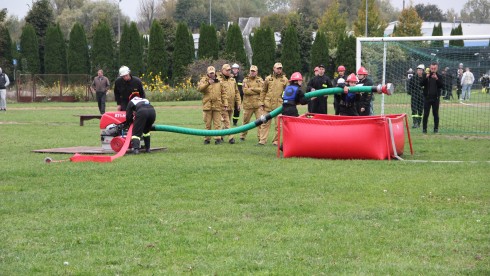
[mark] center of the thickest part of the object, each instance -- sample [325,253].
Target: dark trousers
[417,105]
[144,119]
[101,96]
[428,104]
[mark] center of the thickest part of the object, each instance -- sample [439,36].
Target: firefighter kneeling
[143,114]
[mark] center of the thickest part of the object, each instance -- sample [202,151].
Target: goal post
[389,59]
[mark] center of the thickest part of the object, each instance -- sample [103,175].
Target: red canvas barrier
[342,137]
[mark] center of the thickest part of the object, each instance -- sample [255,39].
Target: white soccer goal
[388,60]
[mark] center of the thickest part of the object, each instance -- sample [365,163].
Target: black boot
[147,144]
[135,144]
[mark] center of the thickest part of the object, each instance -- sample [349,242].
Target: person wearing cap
[365,104]
[415,89]
[214,102]
[340,77]
[124,86]
[100,85]
[319,105]
[142,113]
[270,99]
[229,84]
[432,92]
[252,86]
[4,83]
[235,70]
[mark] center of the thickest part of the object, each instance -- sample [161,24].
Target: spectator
[415,89]
[252,86]
[4,83]
[214,101]
[229,85]
[270,99]
[319,105]
[100,85]
[140,111]
[448,84]
[459,88]
[485,83]
[467,81]
[432,93]
[124,86]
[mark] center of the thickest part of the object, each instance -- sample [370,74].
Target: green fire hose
[387,89]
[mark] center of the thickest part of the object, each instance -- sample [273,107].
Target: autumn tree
[409,23]
[333,23]
[375,25]
[476,11]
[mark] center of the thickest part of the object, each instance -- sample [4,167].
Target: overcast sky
[130,7]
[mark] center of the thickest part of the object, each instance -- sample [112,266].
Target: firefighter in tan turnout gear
[271,98]
[214,102]
[233,97]
[252,86]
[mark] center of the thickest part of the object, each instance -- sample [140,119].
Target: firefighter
[416,90]
[124,86]
[235,70]
[347,100]
[365,104]
[230,87]
[270,99]
[140,111]
[293,95]
[319,105]
[341,77]
[214,102]
[252,86]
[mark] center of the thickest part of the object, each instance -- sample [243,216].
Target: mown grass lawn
[235,209]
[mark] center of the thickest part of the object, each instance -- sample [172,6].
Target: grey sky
[130,7]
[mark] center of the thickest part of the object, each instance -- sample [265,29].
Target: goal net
[395,60]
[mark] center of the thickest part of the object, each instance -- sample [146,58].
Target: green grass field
[235,209]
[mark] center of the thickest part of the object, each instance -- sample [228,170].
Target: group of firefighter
[226,92]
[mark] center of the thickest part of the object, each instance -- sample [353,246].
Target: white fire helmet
[124,70]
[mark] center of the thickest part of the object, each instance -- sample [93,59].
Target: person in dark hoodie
[433,84]
[321,81]
[141,114]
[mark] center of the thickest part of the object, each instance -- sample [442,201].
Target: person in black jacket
[142,113]
[341,77]
[448,84]
[432,92]
[416,90]
[124,86]
[365,104]
[319,105]
[235,70]
[293,95]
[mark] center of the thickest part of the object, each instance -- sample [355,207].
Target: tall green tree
[5,49]
[157,52]
[208,42]
[347,46]
[131,49]
[182,55]
[333,23]
[40,16]
[430,12]
[102,54]
[291,59]
[234,44]
[78,57]
[55,51]
[376,24]
[457,31]
[264,50]
[29,49]
[409,23]
[437,31]
[319,50]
